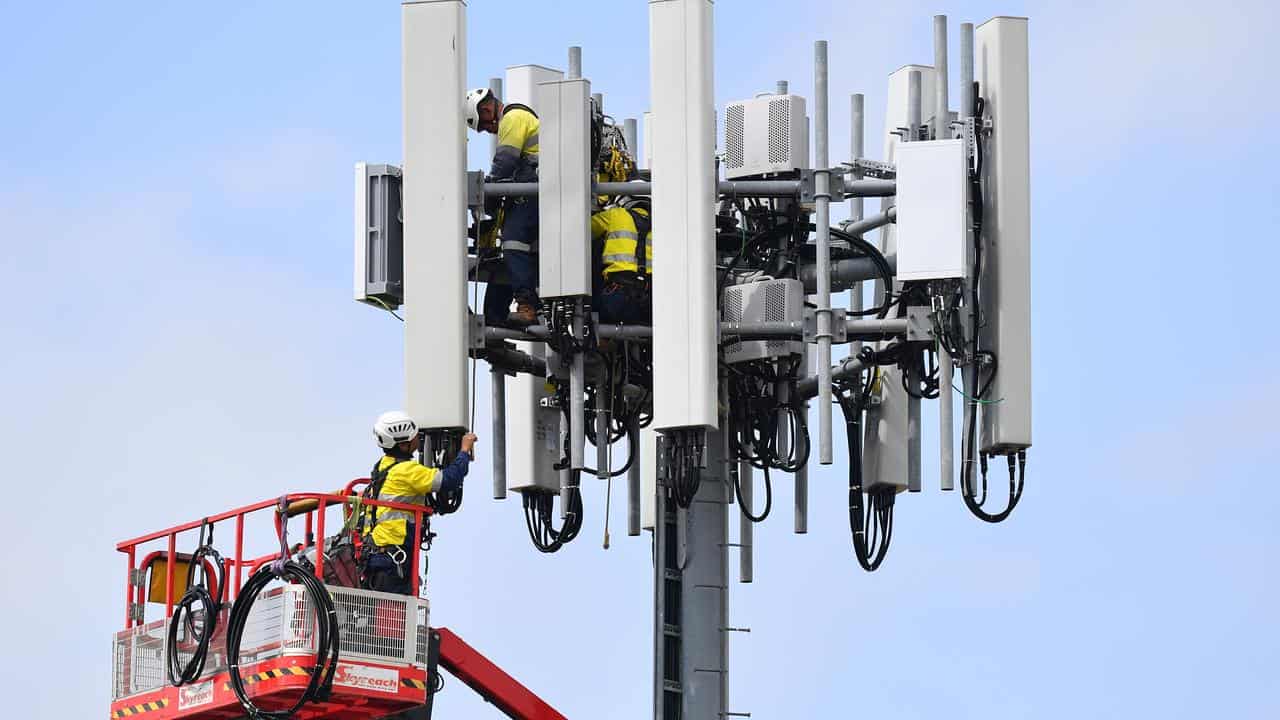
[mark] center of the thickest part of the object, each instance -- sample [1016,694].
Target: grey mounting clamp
[475,328]
[475,189]
[808,186]
[839,329]
[919,323]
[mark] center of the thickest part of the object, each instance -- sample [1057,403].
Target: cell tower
[745,264]
[733,256]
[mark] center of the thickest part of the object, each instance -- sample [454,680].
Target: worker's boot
[525,314]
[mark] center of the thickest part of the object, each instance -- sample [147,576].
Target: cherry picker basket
[382,665]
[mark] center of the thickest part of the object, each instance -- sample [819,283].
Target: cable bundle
[539,509]
[870,523]
[757,421]
[321,682]
[184,613]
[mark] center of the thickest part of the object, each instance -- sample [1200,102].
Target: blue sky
[175,213]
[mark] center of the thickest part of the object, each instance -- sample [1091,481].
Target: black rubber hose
[184,613]
[321,681]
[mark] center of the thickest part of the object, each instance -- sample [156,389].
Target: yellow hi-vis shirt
[517,153]
[407,482]
[620,235]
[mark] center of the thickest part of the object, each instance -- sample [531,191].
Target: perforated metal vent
[732,313]
[779,130]
[734,135]
[775,310]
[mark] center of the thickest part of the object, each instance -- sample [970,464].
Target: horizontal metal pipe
[844,273]
[808,387]
[886,326]
[728,188]
[873,222]
[772,329]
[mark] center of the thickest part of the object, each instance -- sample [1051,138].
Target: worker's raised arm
[450,477]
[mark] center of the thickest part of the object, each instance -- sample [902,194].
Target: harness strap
[372,491]
[643,227]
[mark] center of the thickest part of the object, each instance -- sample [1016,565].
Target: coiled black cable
[539,513]
[184,613]
[870,522]
[768,498]
[321,682]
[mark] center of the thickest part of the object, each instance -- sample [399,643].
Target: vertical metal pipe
[966,70]
[602,435]
[746,529]
[566,474]
[822,208]
[598,99]
[857,135]
[946,419]
[495,85]
[575,62]
[783,88]
[577,387]
[630,135]
[498,402]
[913,106]
[633,478]
[802,492]
[941,113]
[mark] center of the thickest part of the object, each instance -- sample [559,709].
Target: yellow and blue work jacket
[517,155]
[516,159]
[410,482]
[621,230]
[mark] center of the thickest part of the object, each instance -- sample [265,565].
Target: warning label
[363,677]
[192,696]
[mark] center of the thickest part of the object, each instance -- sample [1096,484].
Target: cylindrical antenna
[630,132]
[633,476]
[746,529]
[913,106]
[575,62]
[495,85]
[941,110]
[783,89]
[857,134]
[966,70]
[498,385]
[822,208]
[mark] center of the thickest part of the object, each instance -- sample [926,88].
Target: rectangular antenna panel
[685,336]
[521,84]
[932,232]
[892,439]
[436,326]
[1001,71]
[767,134]
[648,477]
[763,301]
[564,189]
[379,236]
[533,430]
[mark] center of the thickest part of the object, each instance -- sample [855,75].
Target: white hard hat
[394,427]
[474,98]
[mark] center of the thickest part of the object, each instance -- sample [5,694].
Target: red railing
[234,565]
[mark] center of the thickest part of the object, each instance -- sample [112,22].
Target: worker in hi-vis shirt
[623,238]
[397,477]
[515,160]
